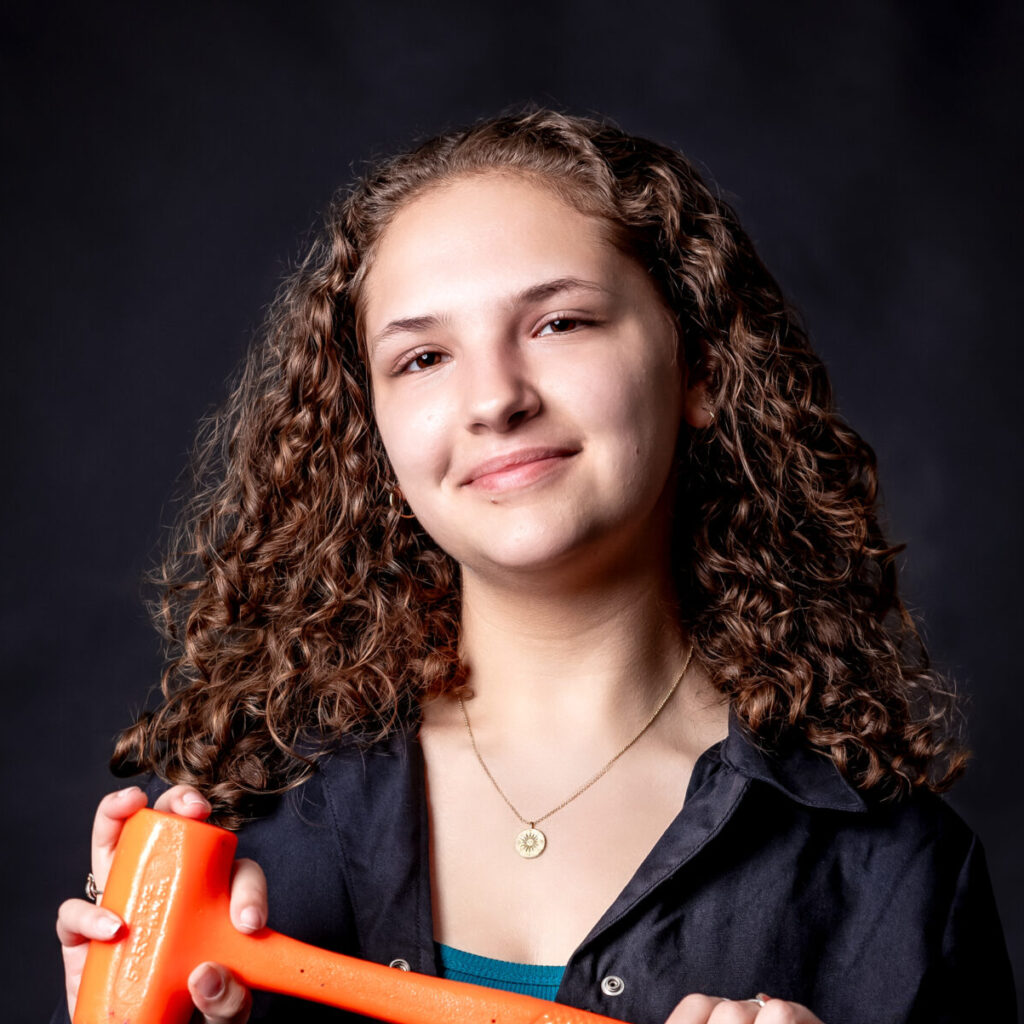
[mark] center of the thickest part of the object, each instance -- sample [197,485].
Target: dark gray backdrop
[164,160]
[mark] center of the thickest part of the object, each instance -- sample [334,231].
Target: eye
[561,325]
[422,361]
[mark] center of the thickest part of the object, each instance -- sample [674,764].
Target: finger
[779,1011]
[111,813]
[74,964]
[735,1011]
[694,1009]
[184,800]
[218,995]
[248,896]
[78,921]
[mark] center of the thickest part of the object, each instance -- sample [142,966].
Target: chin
[536,556]
[515,561]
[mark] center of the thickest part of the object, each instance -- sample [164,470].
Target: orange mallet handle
[170,883]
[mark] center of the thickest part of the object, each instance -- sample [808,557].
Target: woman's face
[525,377]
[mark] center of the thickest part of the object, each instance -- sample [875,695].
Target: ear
[697,410]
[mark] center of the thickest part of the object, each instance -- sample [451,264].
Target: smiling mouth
[517,469]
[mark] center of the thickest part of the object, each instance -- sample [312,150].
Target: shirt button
[612,986]
[400,964]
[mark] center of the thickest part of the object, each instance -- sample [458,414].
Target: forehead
[477,239]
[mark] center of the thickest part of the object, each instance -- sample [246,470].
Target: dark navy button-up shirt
[776,876]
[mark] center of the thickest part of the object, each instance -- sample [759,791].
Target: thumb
[218,995]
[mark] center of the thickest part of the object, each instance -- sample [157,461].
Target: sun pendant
[530,843]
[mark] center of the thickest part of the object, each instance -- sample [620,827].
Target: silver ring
[758,1000]
[90,888]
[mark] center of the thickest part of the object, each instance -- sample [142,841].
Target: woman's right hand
[216,992]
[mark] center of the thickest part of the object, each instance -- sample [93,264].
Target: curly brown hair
[299,605]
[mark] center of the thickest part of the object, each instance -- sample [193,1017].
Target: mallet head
[170,883]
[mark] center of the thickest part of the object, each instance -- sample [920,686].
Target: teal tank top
[531,979]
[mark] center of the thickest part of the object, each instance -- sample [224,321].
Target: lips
[517,468]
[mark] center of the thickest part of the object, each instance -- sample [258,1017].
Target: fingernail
[108,926]
[251,918]
[128,789]
[210,984]
[194,798]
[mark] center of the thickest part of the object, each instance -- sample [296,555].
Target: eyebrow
[535,293]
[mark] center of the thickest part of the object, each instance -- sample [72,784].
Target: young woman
[533,621]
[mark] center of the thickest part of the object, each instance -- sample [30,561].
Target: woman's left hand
[698,1009]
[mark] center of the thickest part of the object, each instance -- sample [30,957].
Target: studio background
[165,161]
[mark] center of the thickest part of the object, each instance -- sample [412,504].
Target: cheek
[411,435]
[642,422]
[643,406]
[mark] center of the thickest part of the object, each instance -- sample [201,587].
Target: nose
[500,392]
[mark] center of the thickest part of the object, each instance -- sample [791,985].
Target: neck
[596,659]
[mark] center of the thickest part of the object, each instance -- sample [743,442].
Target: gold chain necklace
[530,842]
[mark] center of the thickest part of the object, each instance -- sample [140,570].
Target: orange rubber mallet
[170,882]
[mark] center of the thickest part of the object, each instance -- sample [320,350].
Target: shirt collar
[807,777]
